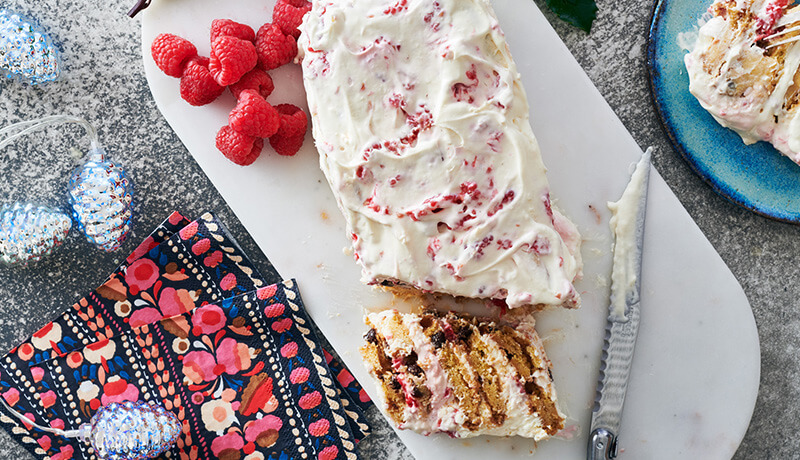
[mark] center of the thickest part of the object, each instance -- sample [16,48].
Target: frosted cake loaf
[422,127]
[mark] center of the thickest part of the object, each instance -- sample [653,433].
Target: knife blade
[622,325]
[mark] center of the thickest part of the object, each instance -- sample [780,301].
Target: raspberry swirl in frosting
[422,126]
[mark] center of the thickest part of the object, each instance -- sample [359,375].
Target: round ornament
[121,431]
[100,196]
[26,52]
[28,232]
[131,431]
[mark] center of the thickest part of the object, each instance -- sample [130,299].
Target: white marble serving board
[696,370]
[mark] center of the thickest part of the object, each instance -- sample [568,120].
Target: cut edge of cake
[461,375]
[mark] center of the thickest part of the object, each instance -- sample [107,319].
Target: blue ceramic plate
[755,176]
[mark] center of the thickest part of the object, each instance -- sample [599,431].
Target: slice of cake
[461,375]
[422,127]
[743,70]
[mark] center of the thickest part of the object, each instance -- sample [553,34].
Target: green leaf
[579,13]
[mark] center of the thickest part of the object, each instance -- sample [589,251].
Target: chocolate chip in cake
[464,334]
[437,338]
[410,358]
[394,384]
[417,393]
[426,321]
[530,387]
[371,336]
[414,369]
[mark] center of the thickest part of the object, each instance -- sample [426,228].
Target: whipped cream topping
[423,132]
[746,85]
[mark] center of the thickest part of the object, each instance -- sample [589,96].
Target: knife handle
[602,445]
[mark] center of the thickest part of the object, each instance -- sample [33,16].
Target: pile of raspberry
[239,61]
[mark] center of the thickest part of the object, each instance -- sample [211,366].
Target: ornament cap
[85,433]
[97,154]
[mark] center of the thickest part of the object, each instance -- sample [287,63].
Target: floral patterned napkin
[179,266]
[246,377]
[197,265]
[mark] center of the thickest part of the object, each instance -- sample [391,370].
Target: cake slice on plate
[743,70]
[422,127]
[461,375]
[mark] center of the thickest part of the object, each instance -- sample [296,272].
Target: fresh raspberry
[286,146]
[254,116]
[293,120]
[299,3]
[274,47]
[288,16]
[229,28]
[231,58]
[258,146]
[171,53]
[198,87]
[289,137]
[256,79]
[237,147]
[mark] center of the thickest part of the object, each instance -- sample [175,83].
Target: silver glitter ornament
[131,431]
[28,232]
[100,194]
[121,431]
[26,52]
[100,197]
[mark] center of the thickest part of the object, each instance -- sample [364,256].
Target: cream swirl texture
[422,127]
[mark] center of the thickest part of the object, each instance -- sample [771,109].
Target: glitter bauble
[26,52]
[131,431]
[28,232]
[100,197]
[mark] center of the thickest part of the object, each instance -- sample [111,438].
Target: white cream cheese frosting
[623,223]
[422,127]
[745,79]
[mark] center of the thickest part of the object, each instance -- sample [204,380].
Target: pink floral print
[231,357]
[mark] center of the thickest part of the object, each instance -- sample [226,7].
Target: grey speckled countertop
[104,82]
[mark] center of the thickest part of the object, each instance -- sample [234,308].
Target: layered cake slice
[461,375]
[422,127]
[744,70]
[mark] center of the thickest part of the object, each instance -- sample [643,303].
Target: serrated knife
[623,314]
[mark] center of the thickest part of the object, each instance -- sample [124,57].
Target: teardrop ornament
[131,431]
[26,51]
[28,232]
[100,195]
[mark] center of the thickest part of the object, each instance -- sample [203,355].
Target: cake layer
[422,127]
[744,71]
[461,375]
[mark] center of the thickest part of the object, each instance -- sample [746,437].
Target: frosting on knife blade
[627,224]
